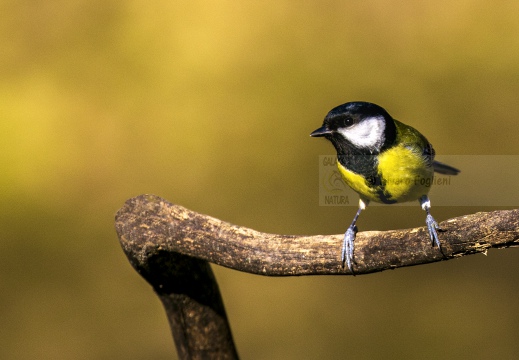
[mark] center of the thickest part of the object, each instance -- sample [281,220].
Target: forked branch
[170,246]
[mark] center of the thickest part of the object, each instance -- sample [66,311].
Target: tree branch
[148,224]
[170,246]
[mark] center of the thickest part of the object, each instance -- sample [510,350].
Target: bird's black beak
[322,131]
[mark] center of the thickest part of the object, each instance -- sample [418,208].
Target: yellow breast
[404,176]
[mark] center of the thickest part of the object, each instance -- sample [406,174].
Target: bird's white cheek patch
[366,134]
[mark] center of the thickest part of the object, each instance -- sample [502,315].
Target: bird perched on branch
[383,160]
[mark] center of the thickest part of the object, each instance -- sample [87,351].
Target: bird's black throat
[358,161]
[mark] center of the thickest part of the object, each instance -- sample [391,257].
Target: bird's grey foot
[433,228]
[348,247]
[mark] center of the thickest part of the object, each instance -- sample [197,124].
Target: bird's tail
[444,169]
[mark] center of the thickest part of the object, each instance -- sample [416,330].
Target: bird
[383,160]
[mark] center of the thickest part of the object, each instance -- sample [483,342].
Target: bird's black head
[358,126]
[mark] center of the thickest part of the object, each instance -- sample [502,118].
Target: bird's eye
[344,121]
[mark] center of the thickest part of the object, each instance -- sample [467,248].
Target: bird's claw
[348,247]
[433,228]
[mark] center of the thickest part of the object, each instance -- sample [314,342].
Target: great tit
[383,160]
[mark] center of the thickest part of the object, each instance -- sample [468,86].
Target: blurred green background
[210,105]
